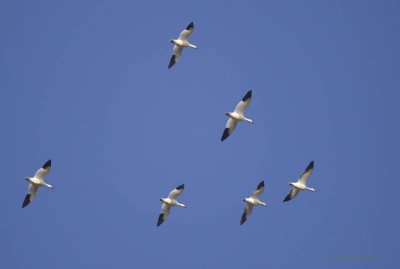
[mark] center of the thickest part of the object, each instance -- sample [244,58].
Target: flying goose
[168,202]
[300,185]
[36,182]
[252,201]
[236,116]
[180,43]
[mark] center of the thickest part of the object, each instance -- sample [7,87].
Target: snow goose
[168,202]
[236,116]
[300,185]
[181,43]
[252,201]
[36,182]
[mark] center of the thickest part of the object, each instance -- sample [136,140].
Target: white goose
[180,43]
[252,201]
[237,115]
[36,182]
[300,185]
[168,202]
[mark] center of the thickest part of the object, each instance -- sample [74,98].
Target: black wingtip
[27,200]
[243,219]
[225,134]
[190,26]
[287,198]
[180,187]
[160,219]
[260,185]
[171,62]
[310,166]
[247,96]
[47,164]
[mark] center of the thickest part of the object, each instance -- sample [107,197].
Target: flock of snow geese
[233,118]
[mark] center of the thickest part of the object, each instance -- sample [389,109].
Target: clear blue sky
[86,84]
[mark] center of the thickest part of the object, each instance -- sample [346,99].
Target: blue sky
[86,84]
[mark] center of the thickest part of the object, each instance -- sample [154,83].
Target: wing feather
[306,174]
[187,32]
[259,190]
[229,128]
[175,56]
[164,214]
[32,190]
[44,170]
[247,212]
[177,191]
[244,103]
[293,192]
